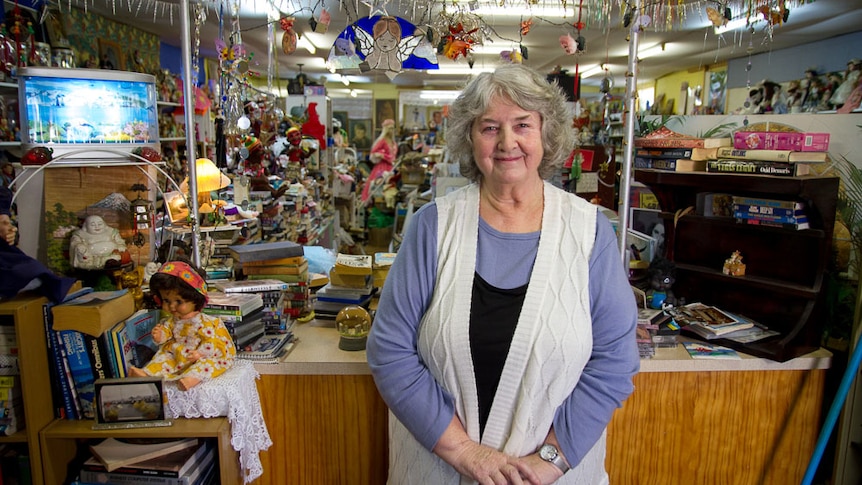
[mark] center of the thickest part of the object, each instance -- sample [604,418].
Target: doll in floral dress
[193,346]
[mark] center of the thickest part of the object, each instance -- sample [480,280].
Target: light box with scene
[73,110]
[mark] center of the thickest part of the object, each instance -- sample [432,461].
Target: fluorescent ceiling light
[465,70]
[732,25]
[654,50]
[439,94]
[494,49]
[592,72]
[306,44]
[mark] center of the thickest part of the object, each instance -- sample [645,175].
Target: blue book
[79,365]
[139,333]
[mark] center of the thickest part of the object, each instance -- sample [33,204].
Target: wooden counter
[747,421]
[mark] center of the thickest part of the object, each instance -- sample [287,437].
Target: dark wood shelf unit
[785,269]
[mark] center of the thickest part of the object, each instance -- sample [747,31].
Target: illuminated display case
[77,109]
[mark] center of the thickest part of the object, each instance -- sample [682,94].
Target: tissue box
[781,140]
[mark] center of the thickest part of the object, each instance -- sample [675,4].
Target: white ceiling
[685,30]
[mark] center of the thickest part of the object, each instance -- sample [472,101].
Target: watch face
[548,452]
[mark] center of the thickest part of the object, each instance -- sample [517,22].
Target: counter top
[317,353]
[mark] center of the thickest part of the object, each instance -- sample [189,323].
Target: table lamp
[209,178]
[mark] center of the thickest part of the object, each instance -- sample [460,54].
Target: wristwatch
[551,454]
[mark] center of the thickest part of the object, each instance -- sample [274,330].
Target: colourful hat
[387,122]
[5,201]
[251,144]
[186,273]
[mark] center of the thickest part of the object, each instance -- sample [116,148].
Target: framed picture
[434,116]
[641,247]
[130,402]
[414,117]
[384,109]
[343,118]
[110,55]
[649,222]
[177,207]
[360,134]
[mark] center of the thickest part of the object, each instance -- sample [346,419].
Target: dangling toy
[567,42]
[296,152]
[289,39]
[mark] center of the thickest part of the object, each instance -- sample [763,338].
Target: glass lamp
[353,323]
[209,179]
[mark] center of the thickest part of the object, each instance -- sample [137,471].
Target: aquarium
[86,107]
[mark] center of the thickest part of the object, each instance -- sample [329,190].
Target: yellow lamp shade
[208,176]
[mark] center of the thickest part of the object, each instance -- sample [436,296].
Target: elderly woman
[95,243]
[505,335]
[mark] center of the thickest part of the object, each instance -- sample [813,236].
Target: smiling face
[507,142]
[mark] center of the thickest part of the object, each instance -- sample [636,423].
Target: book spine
[755,155]
[62,397]
[758,222]
[92,476]
[780,169]
[222,311]
[783,204]
[82,373]
[669,143]
[656,163]
[69,380]
[99,364]
[262,270]
[766,210]
[108,346]
[140,472]
[772,218]
[256,288]
[665,153]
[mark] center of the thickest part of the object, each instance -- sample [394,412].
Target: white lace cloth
[232,394]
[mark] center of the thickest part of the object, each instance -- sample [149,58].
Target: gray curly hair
[527,89]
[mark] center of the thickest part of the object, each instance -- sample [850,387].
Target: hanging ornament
[142,215]
[312,22]
[715,17]
[289,39]
[526,25]
[568,44]
[524,52]
[323,22]
[384,43]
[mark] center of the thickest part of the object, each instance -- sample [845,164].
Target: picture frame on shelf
[649,222]
[110,55]
[130,402]
[177,207]
[360,133]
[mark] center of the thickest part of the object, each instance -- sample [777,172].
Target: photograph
[414,117]
[130,402]
[384,109]
[649,222]
[110,55]
[360,135]
[178,209]
[641,246]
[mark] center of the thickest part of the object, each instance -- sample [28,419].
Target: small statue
[662,276]
[95,244]
[733,265]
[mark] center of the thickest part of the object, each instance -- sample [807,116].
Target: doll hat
[251,144]
[5,201]
[186,273]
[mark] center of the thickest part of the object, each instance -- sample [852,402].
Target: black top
[494,315]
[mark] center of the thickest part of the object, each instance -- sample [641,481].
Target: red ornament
[148,154]
[38,156]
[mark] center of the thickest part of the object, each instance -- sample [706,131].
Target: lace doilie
[232,394]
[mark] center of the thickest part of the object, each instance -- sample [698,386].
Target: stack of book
[242,314]
[350,283]
[709,323]
[667,150]
[185,461]
[280,300]
[380,268]
[78,337]
[268,349]
[283,261]
[782,163]
[650,321]
[787,214]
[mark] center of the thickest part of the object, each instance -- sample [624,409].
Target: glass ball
[353,323]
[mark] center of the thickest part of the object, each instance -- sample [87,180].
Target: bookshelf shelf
[783,286]
[59,441]
[25,312]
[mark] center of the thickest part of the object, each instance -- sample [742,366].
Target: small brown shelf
[783,283]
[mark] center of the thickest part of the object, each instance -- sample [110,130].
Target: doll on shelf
[662,276]
[193,346]
[733,265]
[296,152]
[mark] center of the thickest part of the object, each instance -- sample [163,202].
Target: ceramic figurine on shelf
[96,244]
[733,265]
[662,276]
[193,346]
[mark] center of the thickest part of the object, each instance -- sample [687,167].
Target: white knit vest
[551,345]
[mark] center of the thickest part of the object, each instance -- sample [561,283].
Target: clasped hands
[491,467]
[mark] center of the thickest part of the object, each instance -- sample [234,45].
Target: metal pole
[189,108]
[629,136]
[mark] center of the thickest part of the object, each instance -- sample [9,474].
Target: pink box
[781,140]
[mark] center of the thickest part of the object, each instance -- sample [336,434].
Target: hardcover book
[778,203]
[264,251]
[353,264]
[175,465]
[276,269]
[94,312]
[671,165]
[664,152]
[113,453]
[276,262]
[781,140]
[771,155]
[247,286]
[233,303]
[666,138]
[751,167]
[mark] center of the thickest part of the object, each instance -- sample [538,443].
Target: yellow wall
[671,85]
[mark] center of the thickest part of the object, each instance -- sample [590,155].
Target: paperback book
[699,350]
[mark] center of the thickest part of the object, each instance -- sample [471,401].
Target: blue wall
[171,58]
[784,65]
